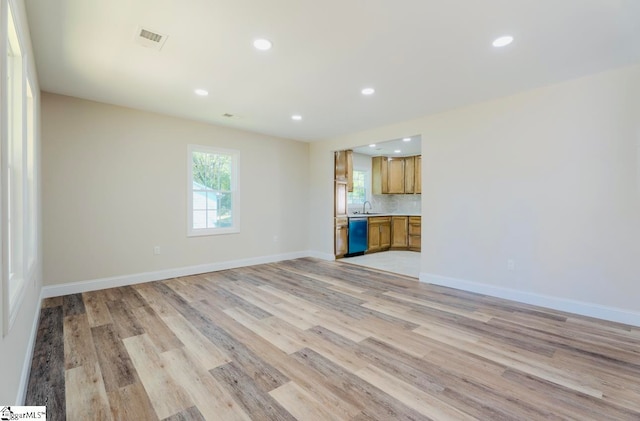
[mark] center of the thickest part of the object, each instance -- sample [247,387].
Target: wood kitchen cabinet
[379,175]
[418,175]
[394,232]
[409,174]
[341,238]
[415,227]
[340,198]
[399,232]
[349,171]
[396,176]
[379,234]
[344,167]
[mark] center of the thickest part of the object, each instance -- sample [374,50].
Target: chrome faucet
[365,204]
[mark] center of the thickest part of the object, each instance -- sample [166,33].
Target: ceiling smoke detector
[150,39]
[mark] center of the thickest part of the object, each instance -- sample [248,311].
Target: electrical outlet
[275,238]
[511,264]
[156,250]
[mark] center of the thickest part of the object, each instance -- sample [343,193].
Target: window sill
[214,231]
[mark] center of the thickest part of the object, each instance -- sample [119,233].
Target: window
[31,215]
[213,191]
[359,194]
[16,172]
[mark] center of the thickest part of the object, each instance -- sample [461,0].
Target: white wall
[361,162]
[15,348]
[115,186]
[549,178]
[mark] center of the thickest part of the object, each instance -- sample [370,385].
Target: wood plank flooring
[313,340]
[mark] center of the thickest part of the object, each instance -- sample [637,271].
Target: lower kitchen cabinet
[399,232]
[384,233]
[341,238]
[415,239]
[379,234]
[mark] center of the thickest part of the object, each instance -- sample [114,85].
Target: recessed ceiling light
[368,91]
[373,145]
[397,151]
[296,117]
[503,41]
[262,44]
[201,92]
[406,139]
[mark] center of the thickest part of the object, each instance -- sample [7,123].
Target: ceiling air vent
[229,116]
[150,39]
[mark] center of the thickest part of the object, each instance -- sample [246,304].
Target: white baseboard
[322,256]
[138,278]
[571,306]
[26,365]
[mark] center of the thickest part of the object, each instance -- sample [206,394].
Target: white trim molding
[321,256]
[138,278]
[556,303]
[26,365]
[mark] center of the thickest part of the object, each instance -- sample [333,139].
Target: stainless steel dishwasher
[358,230]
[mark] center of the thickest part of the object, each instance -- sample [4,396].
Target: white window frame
[16,127]
[367,186]
[235,191]
[31,184]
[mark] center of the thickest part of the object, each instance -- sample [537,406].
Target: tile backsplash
[392,203]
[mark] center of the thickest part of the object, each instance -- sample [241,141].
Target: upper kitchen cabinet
[396,175]
[344,167]
[409,174]
[418,175]
[379,175]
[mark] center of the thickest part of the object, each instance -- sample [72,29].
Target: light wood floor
[312,340]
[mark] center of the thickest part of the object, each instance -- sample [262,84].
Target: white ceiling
[411,147]
[422,56]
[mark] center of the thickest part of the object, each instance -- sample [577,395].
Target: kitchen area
[377,205]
